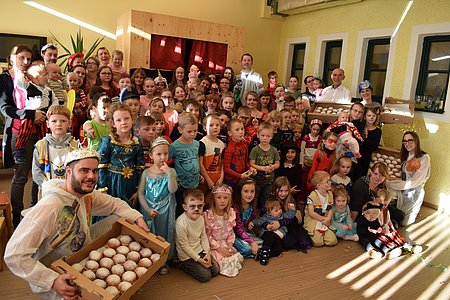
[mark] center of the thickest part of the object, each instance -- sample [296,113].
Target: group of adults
[82,166]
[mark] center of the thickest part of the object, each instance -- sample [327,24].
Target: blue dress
[159,197]
[120,167]
[343,218]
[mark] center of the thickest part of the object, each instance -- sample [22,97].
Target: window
[298,60]
[434,74]
[332,60]
[376,66]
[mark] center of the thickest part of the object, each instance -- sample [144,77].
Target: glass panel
[300,58]
[299,74]
[380,57]
[436,85]
[377,79]
[335,58]
[439,57]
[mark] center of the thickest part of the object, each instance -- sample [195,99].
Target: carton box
[397,111]
[391,157]
[319,107]
[88,289]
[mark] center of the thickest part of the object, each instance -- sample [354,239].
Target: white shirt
[337,95]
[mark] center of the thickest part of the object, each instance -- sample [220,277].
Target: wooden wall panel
[136,45]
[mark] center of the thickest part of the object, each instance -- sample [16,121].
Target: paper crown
[365,84]
[159,141]
[222,189]
[315,121]
[81,153]
[72,57]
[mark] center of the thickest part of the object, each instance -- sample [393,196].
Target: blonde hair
[186,118]
[58,110]
[212,204]
[277,184]
[385,194]
[318,177]
[265,126]
[36,69]
[340,191]
[271,204]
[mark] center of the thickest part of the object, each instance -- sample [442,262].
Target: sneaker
[264,255]
[353,237]
[374,254]
[394,253]
[416,249]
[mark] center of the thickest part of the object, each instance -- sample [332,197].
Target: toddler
[145,130]
[116,66]
[271,231]
[55,83]
[80,106]
[345,130]
[342,220]
[344,165]
[130,97]
[319,212]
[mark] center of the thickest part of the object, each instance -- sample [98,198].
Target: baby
[55,82]
[345,130]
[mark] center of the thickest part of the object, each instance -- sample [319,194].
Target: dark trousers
[273,242]
[22,165]
[198,271]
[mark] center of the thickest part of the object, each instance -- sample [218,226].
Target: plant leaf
[94,46]
[59,43]
[74,45]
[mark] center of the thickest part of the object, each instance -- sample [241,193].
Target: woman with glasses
[409,191]
[92,65]
[106,83]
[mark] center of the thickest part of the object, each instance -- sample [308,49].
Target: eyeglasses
[91,63]
[326,182]
[193,206]
[224,82]
[408,141]
[106,74]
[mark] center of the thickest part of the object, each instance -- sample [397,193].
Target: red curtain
[208,56]
[166,52]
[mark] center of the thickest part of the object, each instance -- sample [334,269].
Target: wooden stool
[5,205]
[3,240]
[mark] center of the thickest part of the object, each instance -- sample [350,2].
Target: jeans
[198,271]
[22,158]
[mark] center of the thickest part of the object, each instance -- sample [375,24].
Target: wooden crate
[397,111]
[89,290]
[326,117]
[386,154]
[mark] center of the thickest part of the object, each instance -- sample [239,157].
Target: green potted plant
[77,47]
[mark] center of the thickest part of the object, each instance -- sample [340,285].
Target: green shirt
[264,158]
[100,130]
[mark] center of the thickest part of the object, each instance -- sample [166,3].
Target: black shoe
[264,255]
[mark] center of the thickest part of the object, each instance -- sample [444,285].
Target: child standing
[319,212]
[270,234]
[264,102]
[144,101]
[227,103]
[275,118]
[325,156]
[98,127]
[220,219]
[235,158]
[130,97]
[245,115]
[224,117]
[157,195]
[121,157]
[344,165]
[342,220]
[210,153]
[50,152]
[184,152]
[193,107]
[290,167]
[265,159]
[145,130]
[191,241]
[116,65]
[246,242]
[211,104]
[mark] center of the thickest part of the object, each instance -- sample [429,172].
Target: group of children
[163,160]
